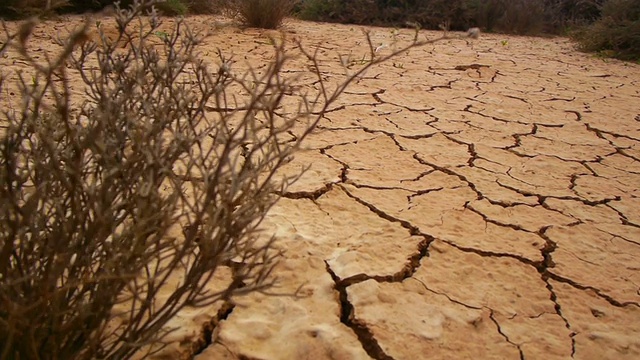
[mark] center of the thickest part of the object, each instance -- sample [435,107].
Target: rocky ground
[465,201]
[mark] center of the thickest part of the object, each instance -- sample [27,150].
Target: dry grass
[265,14]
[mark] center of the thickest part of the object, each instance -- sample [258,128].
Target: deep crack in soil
[347,317]
[206,335]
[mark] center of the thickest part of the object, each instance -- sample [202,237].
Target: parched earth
[464,201]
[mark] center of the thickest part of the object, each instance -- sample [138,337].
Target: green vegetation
[173,7]
[508,16]
[608,27]
[616,33]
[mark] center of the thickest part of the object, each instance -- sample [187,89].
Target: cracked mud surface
[465,201]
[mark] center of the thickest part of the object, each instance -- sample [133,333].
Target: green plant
[616,33]
[162,35]
[507,16]
[172,7]
[320,10]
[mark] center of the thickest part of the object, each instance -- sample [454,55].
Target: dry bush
[12,9]
[616,33]
[82,6]
[173,7]
[117,210]
[532,16]
[167,7]
[430,14]
[508,16]
[265,14]
[316,10]
[522,17]
[562,15]
[156,175]
[204,6]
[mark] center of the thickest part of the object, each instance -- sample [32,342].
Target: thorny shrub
[15,9]
[173,7]
[265,14]
[117,210]
[520,16]
[562,15]
[509,16]
[204,6]
[21,8]
[616,33]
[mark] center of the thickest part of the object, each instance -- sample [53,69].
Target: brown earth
[465,201]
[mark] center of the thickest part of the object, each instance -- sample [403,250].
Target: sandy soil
[465,201]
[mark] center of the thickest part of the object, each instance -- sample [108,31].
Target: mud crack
[312,195]
[497,324]
[597,291]
[206,335]
[549,247]
[471,66]
[407,271]
[554,298]
[546,273]
[448,171]
[347,317]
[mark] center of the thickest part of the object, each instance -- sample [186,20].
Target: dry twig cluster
[118,211]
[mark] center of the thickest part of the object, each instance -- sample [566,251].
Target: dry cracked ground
[464,201]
